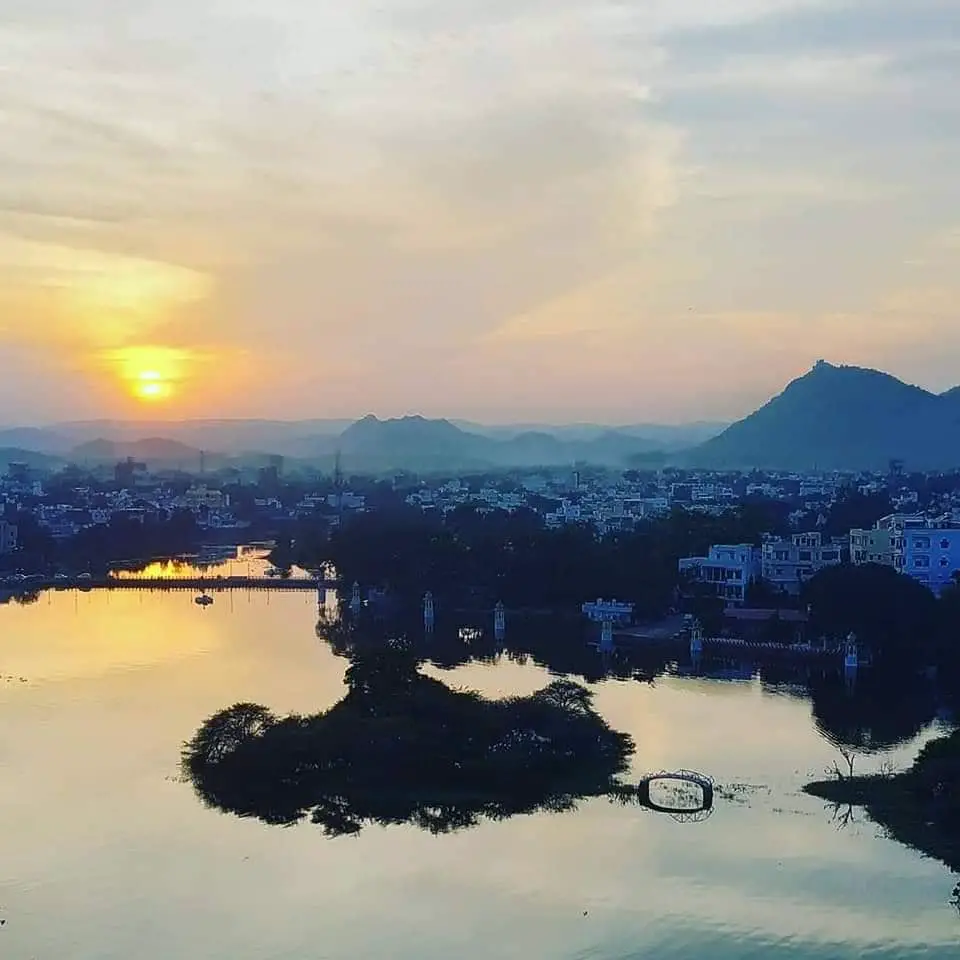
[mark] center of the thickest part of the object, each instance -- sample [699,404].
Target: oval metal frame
[700,780]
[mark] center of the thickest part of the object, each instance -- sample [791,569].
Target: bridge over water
[195,584]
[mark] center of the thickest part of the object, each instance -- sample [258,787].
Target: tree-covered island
[401,747]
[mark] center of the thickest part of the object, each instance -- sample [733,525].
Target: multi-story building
[873,546]
[727,570]
[8,537]
[788,563]
[931,555]
[924,548]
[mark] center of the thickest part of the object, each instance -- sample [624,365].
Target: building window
[944,544]
[921,543]
[805,556]
[921,563]
[944,562]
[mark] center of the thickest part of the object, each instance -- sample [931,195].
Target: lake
[106,853]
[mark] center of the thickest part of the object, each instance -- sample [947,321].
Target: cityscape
[914,519]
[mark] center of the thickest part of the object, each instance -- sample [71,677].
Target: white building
[788,563]
[727,569]
[613,610]
[203,496]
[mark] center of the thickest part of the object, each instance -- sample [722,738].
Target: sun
[150,374]
[150,385]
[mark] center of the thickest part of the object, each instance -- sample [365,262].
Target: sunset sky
[618,210]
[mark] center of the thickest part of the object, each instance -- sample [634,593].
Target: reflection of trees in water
[919,807]
[557,643]
[23,598]
[877,714]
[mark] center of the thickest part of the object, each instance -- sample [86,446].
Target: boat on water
[203,600]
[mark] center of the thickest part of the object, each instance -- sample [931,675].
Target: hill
[292,438]
[318,439]
[841,418]
[34,460]
[34,439]
[154,451]
[410,443]
[416,443]
[667,437]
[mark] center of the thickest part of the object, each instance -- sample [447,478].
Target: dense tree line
[96,548]
[471,558]
[899,619]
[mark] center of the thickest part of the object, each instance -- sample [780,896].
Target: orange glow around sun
[150,374]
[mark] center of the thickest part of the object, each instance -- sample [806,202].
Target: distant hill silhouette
[294,438]
[841,418]
[667,437]
[34,439]
[34,460]
[315,441]
[154,451]
[417,443]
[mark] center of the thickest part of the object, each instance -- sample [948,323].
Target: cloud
[347,192]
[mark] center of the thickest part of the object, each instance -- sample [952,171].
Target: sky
[618,210]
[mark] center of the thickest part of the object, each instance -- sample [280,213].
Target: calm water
[105,854]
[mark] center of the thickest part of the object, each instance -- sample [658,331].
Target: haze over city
[569,210]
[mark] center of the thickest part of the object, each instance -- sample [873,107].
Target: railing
[209,584]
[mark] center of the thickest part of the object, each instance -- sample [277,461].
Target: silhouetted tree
[892,613]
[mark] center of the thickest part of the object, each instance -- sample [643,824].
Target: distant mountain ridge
[151,450]
[417,443]
[666,436]
[841,418]
[34,459]
[831,418]
[414,442]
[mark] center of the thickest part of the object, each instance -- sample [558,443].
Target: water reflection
[114,873]
[875,713]
[878,713]
[224,562]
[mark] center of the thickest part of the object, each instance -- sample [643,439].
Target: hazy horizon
[160,421]
[575,211]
